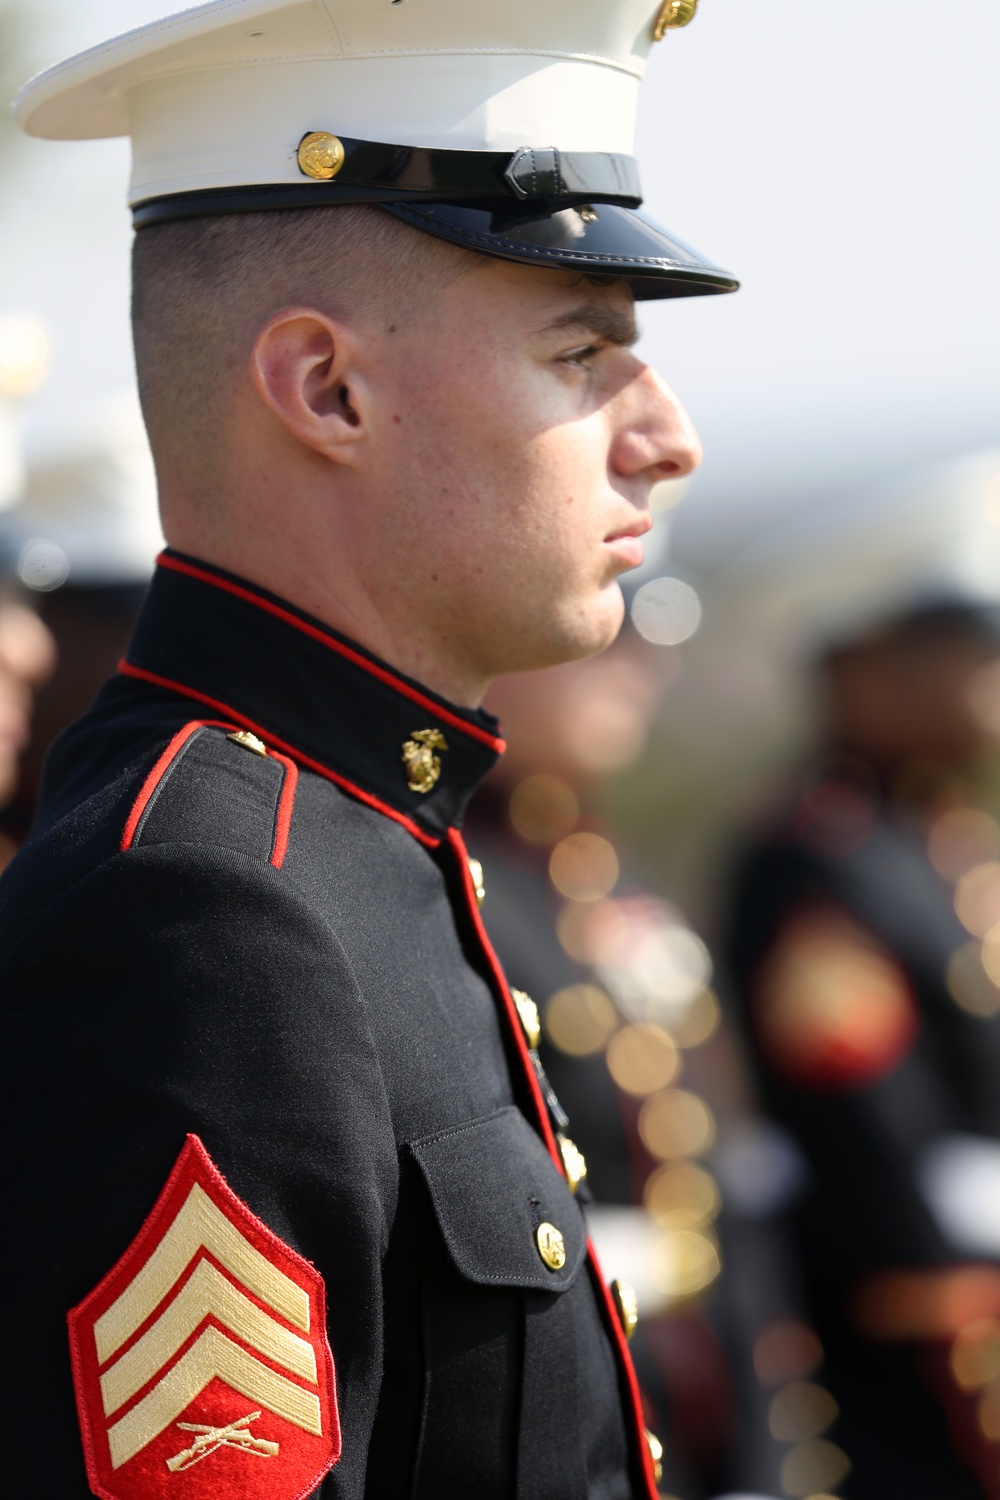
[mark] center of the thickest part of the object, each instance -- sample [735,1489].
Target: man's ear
[304,369]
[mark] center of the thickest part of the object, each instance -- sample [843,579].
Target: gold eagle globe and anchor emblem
[423,767]
[674,13]
[320,155]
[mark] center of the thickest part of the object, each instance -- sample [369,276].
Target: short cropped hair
[202,288]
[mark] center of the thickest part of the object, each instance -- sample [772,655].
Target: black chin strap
[372,172]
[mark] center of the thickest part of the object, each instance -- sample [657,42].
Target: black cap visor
[602,239]
[594,237]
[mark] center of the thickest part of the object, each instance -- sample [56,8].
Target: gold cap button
[320,155]
[627,1304]
[248,741]
[573,1160]
[551,1246]
[528,1011]
[674,13]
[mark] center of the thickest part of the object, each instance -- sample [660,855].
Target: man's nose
[656,434]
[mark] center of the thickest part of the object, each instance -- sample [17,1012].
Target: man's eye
[582,355]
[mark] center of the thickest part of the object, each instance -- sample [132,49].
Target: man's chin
[595,630]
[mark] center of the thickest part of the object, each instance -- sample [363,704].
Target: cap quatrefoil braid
[505,129]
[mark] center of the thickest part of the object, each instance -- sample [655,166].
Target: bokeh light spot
[583,867]
[812,1466]
[543,809]
[961,839]
[801,1410]
[699,1019]
[676,1123]
[968,983]
[579,1020]
[42,566]
[786,1350]
[977,899]
[666,611]
[24,355]
[975,1354]
[642,1059]
[685,1263]
[682,1195]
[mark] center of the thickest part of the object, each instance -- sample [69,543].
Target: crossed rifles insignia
[207,1312]
[211,1438]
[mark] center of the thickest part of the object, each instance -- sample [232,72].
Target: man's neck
[336,597]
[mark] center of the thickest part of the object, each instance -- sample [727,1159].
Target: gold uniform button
[551,1246]
[248,741]
[573,1160]
[476,871]
[656,1454]
[627,1305]
[530,1020]
[321,155]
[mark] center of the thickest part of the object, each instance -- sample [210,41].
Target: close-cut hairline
[202,288]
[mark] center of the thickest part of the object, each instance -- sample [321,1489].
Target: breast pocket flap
[504,1209]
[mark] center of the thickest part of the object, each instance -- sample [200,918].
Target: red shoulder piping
[128,670]
[389,678]
[154,778]
[286,797]
[286,802]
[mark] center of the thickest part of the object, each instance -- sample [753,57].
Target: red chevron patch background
[212,1381]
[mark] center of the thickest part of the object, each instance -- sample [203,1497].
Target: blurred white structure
[920,536]
[24,364]
[88,514]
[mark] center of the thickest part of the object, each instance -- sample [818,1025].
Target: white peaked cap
[255,75]
[220,98]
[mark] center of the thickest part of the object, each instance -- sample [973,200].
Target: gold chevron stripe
[213,1355]
[199,1225]
[208,1291]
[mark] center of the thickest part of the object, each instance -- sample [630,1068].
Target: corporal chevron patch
[201,1362]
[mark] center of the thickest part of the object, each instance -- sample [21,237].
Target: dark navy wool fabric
[329,1028]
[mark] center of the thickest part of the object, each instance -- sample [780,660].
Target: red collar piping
[398,684]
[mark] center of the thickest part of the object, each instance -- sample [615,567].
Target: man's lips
[626,545]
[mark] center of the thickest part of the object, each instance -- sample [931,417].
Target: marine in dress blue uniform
[874,1027]
[283,1155]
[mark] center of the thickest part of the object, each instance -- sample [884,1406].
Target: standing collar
[310,692]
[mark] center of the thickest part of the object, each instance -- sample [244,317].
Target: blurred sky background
[843,160]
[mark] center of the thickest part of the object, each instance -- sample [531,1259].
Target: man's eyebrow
[614,325]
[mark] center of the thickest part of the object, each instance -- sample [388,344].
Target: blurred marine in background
[864,954]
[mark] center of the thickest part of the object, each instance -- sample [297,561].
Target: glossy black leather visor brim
[602,239]
[599,238]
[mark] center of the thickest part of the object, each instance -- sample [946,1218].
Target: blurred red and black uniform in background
[864,954]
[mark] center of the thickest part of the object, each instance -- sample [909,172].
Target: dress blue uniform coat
[281,955]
